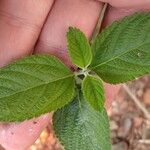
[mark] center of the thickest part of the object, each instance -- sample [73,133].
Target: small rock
[120,146]
[115,107]
[146,97]
[137,122]
[113,125]
[125,128]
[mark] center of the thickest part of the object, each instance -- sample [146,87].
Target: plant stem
[99,23]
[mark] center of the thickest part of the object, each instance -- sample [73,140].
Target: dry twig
[137,102]
[144,141]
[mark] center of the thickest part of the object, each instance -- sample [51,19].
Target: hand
[40,27]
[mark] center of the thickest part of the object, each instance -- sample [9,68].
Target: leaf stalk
[99,23]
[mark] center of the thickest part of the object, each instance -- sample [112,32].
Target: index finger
[20,25]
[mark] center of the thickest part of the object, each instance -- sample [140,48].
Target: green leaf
[79,127]
[79,48]
[33,86]
[122,51]
[93,92]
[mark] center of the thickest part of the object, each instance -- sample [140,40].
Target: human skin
[40,27]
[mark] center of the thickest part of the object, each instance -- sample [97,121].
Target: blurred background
[129,120]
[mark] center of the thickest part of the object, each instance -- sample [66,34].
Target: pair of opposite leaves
[39,84]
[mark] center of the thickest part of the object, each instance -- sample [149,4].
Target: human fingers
[79,13]
[111,91]
[19,136]
[82,14]
[128,3]
[118,13]
[20,25]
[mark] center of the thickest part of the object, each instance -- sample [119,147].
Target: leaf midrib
[93,91]
[65,77]
[84,123]
[112,59]
[97,101]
